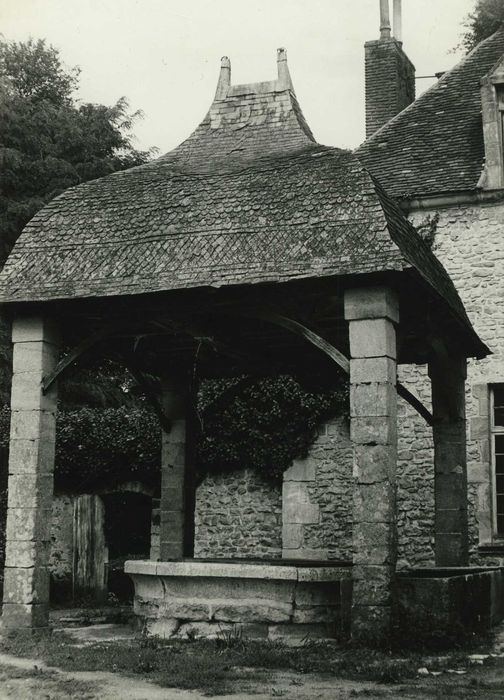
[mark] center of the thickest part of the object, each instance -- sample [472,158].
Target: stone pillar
[372,313]
[448,375]
[173,473]
[31,466]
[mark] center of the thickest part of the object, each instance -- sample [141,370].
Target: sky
[164,55]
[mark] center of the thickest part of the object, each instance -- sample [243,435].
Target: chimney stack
[390,75]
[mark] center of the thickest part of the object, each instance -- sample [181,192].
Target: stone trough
[284,600]
[450,599]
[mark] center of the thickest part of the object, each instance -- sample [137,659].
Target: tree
[486,18]
[48,140]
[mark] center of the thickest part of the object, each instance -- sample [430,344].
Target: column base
[16,616]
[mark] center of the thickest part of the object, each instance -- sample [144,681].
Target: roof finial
[284,79]
[224,79]
[384,19]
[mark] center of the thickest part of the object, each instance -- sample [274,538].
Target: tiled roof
[435,146]
[250,197]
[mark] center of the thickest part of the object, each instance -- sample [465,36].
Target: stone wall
[470,243]
[317,507]
[60,559]
[238,515]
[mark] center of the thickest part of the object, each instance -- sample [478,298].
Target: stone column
[448,375]
[372,313]
[173,473]
[31,466]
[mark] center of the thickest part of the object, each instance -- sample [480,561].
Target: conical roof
[248,198]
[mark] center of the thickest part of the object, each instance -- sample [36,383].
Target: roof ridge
[433,88]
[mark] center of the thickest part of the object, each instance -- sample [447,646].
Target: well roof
[249,197]
[435,146]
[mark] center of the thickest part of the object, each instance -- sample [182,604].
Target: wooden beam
[337,356]
[77,352]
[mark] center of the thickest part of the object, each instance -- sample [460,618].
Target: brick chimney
[390,75]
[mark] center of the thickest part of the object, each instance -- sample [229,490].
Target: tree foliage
[482,22]
[48,140]
[265,427]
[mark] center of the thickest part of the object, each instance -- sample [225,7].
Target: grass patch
[215,666]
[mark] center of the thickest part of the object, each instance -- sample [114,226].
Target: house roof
[249,197]
[435,146]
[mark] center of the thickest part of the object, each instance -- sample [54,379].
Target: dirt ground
[25,679]
[29,679]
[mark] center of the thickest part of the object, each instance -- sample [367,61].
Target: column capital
[26,329]
[371,303]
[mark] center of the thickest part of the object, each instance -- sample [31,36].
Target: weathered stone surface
[26,585]
[294,493]
[373,544]
[371,623]
[316,614]
[301,513]
[374,464]
[370,430]
[292,536]
[30,491]
[373,338]
[31,456]
[28,524]
[21,616]
[163,628]
[373,369]
[315,594]
[171,550]
[26,554]
[371,303]
[301,470]
[38,357]
[372,585]
[374,503]
[373,400]
[238,514]
[204,630]
[248,610]
[33,425]
[26,329]
[297,635]
[26,393]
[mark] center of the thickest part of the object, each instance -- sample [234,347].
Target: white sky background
[164,55]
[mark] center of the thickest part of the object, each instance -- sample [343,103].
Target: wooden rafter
[337,356]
